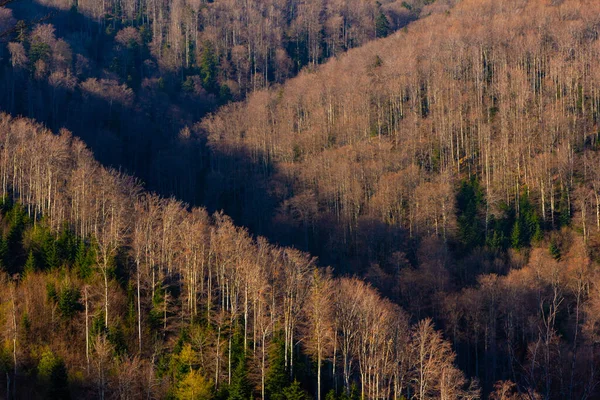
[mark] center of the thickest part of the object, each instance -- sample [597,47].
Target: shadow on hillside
[146,137]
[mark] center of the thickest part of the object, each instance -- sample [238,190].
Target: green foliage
[188,85]
[469,202]
[555,250]
[3,252]
[51,293]
[84,259]
[25,323]
[516,230]
[39,51]
[98,325]
[240,388]
[67,245]
[5,359]
[50,252]
[295,392]
[30,264]
[14,253]
[53,374]
[67,299]
[564,211]
[382,26]
[527,227]
[116,337]
[156,314]
[47,364]
[69,302]
[225,95]
[276,376]
[194,386]
[208,68]
[21,31]
[516,237]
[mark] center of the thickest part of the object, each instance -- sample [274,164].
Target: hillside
[129,77]
[408,211]
[380,138]
[109,291]
[454,165]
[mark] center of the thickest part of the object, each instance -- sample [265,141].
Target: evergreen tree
[554,249]
[59,382]
[68,302]
[50,252]
[53,375]
[3,252]
[208,68]
[277,377]
[469,201]
[516,236]
[294,392]
[84,260]
[67,245]
[240,388]
[382,26]
[30,265]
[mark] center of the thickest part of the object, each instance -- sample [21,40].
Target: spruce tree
[240,388]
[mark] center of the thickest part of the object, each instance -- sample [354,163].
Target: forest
[285,199]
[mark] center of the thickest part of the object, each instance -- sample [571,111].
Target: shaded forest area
[452,165]
[129,77]
[109,291]
[455,166]
[369,153]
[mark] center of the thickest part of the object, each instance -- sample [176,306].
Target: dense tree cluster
[455,166]
[379,138]
[129,76]
[252,42]
[449,172]
[111,290]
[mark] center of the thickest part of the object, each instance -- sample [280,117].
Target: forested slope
[129,76]
[455,166]
[107,290]
[501,92]
[452,165]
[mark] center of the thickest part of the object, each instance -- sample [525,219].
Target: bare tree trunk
[139,309]
[87,331]
[105,273]
[319,374]
[14,323]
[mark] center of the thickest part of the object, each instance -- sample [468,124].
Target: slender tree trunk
[319,373]
[87,331]
[105,273]
[139,309]
[14,323]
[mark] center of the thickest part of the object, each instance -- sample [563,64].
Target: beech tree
[319,332]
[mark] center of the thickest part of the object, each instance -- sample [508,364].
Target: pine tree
[59,382]
[382,26]
[515,237]
[277,378]
[30,264]
[50,252]
[240,388]
[83,260]
[53,374]
[208,68]
[294,392]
